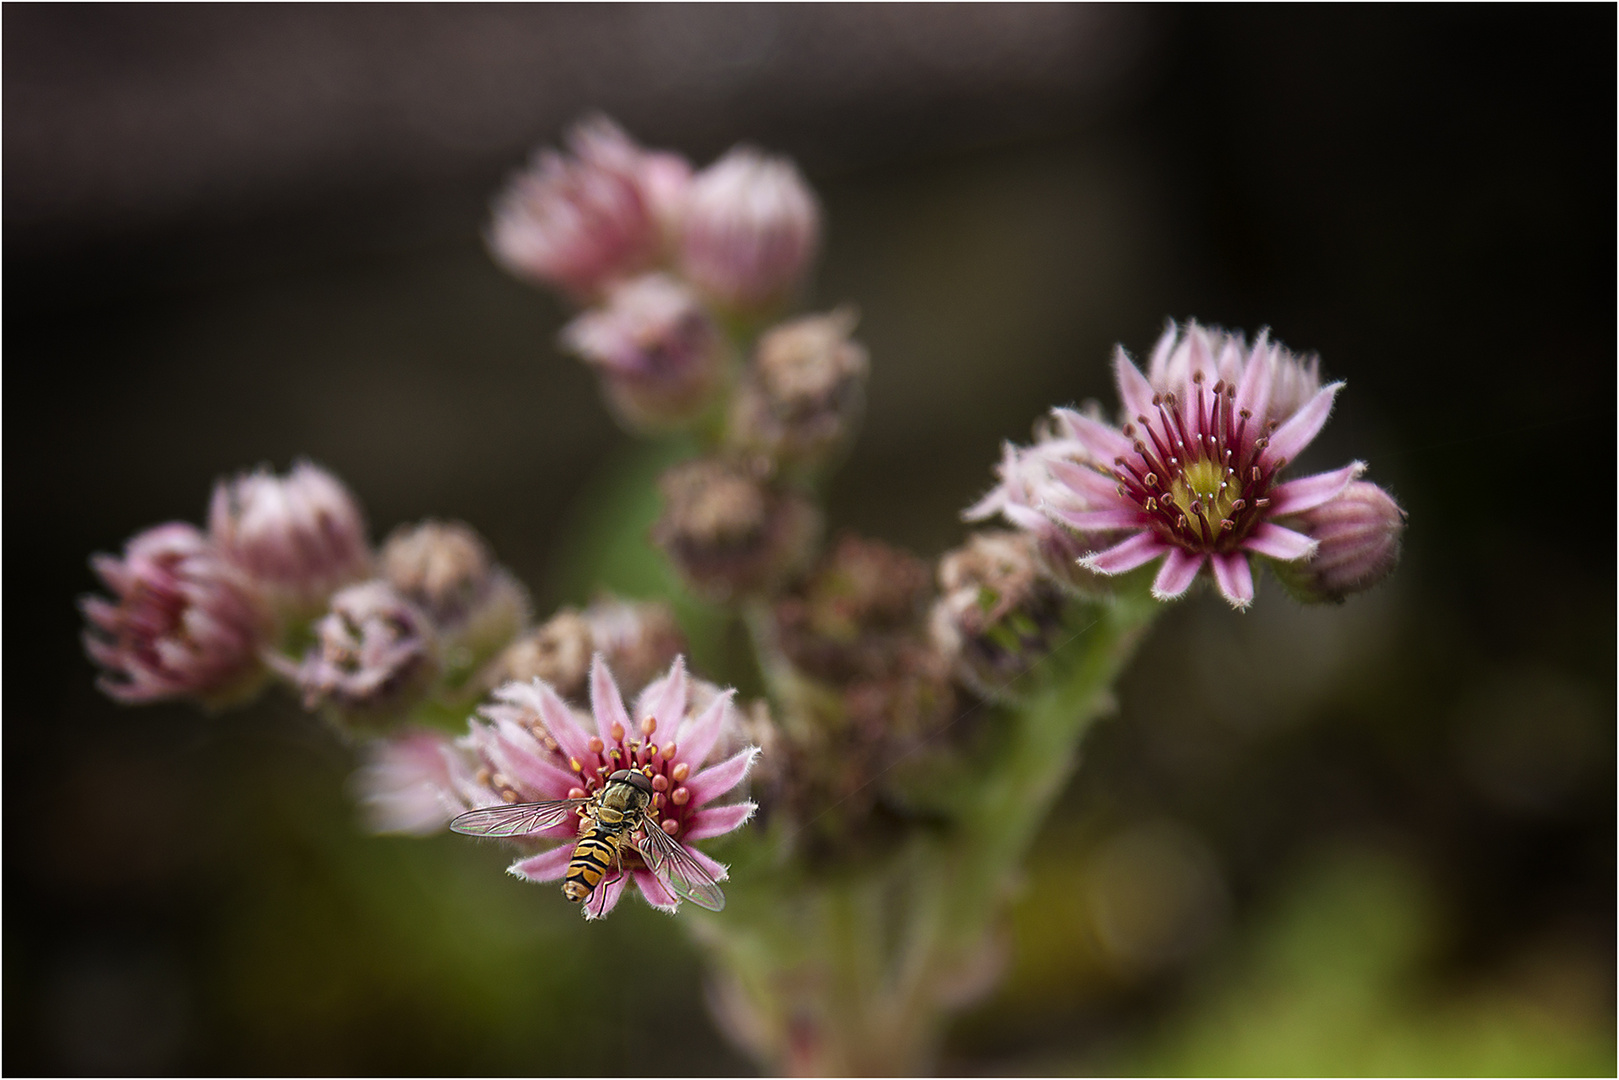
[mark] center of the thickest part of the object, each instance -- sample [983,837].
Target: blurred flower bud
[751,229]
[447,570]
[804,391]
[847,618]
[1359,536]
[659,354]
[580,222]
[186,623]
[997,613]
[729,532]
[638,640]
[300,538]
[375,656]
[405,784]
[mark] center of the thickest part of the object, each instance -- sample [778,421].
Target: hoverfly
[619,818]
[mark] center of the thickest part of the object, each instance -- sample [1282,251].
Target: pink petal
[1134,389]
[1139,550]
[509,749]
[1309,492]
[717,871]
[605,700]
[546,866]
[1097,520]
[1102,442]
[1200,357]
[1236,580]
[1177,575]
[1305,425]
[1025,517]
[606,896]
[697,735]
[653,891]
[1083,480]
[1279,543]
[1253,392]
[717,821]
[559,721]
[716,781]
[1158,365]
[665,699]
[1231,362]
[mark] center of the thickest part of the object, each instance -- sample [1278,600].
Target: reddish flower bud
[581,222]
[997,614]
[659,354]
[803,392]
[300,538]
[729,532]
[375,656]
[186,623]
[750,231]
[1359,536]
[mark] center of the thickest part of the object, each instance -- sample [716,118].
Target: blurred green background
[1375,839]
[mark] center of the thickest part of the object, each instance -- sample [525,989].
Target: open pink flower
[1194,475]
[534,748]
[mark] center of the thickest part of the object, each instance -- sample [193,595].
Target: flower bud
[729,532]
[638,640]
[1358,533]
[581,222]
[750,231]
[659,354]
[375,656]
[848,618]
[446,569]
[804,391]
[998,613]
[300,538]
[186,623]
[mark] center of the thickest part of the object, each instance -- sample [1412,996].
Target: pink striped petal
[696,736]
[1279,543]
[1102,442]
[718,871]
[717,821]
[1231,362]
[605,700]
[1199,357]
[665,698]
[1253,392]
[1134,389]
[1309,492]
[1139,550]
[514,752]
[599,903]
[546,866]
[1179,571]
[1158,365]
[1236,580]
[1304,426]
[653,892]
[713,782]
[558,720]
[1097,520]
[1085,481]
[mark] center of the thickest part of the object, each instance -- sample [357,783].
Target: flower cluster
[531,746]
[1193,475]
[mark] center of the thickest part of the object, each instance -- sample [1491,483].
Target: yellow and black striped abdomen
[594,854]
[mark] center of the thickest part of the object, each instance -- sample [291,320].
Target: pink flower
[659,353]
[299,537]
[750,231]
[534,748]
[186,623]
[581,222]
[1195,475]
[375,656]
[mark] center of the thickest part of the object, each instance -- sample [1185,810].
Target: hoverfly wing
[678,871]
[516,819]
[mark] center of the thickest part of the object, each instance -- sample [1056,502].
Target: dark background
[1375,838]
